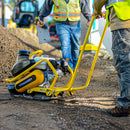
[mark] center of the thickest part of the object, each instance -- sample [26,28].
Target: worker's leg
[121,52]
[75,43]
[63,32]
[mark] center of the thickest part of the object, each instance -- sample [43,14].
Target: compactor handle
[38,52]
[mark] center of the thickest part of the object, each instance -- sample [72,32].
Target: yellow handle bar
[38,52]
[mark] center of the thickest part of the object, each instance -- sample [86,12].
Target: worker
[118,17]
[67,13]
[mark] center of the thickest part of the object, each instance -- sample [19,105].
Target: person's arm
[46,9]
[85,10]
[98,4]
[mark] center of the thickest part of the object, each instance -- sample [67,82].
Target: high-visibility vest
[63,10]
[121,7]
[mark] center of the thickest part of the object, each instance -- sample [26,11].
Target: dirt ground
[85,110]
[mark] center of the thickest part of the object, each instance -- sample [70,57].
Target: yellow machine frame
[53,91]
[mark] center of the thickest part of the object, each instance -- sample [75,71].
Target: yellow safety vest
[121,7]
[63,10]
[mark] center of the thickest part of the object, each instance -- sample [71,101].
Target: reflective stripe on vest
[60,15]
[64,14]
[112,1]
[76,14]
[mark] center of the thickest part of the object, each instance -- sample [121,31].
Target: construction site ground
[84,110]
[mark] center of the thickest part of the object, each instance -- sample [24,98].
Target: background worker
[67,13]
[118,17]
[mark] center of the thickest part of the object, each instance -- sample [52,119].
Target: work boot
[119,112]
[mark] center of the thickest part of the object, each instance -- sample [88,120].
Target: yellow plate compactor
[35,75]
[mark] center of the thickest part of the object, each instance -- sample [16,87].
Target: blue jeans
[70,45]
[121,60]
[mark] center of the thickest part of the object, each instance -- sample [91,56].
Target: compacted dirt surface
[84,110]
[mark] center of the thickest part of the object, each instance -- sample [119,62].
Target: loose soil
[84,110]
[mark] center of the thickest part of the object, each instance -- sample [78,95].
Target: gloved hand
[102,15]
[41,24]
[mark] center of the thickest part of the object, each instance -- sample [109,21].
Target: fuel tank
[32,80]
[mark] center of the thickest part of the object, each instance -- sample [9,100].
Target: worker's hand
[102,15]
[40,24]
[97,16]
[88,23]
